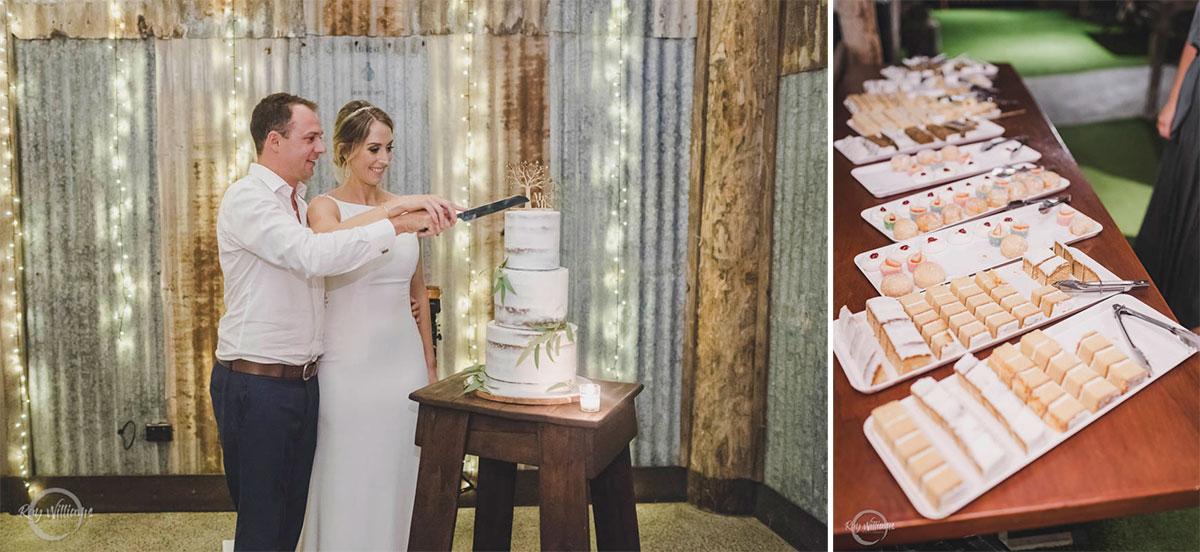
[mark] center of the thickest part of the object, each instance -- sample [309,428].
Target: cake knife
[493,207]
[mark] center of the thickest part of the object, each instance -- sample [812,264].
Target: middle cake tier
[536,297]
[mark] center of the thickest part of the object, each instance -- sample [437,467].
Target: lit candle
[589,397]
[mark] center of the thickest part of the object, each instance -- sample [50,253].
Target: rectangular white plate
[1163,350]
[1016,277]
[874,216]
[882,181]
[850,122]
[977,254]
[986,130]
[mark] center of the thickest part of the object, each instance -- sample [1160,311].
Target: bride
[376,353]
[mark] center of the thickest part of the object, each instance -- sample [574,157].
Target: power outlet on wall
[159,432]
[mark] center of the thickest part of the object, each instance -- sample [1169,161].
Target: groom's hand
[418,222]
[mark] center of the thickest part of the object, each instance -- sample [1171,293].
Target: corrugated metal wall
[796,406]
[648,230]
[83,384]
[537,95]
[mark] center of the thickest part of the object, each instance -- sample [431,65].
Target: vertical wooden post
[860,31]
[734,169]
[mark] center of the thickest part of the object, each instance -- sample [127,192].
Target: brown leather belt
[273,370]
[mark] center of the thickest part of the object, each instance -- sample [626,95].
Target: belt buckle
[309,370]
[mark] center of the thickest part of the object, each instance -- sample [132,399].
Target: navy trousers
[268,430]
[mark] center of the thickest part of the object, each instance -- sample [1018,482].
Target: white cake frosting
[906,340]
[886,309]
[531,238]
[536,297]
[504,349]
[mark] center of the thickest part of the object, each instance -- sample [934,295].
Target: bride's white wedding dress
[365,469]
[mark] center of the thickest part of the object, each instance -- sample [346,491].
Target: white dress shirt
[275,268]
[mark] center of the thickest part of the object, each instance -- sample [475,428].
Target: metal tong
[1112,285]
[1188,338]
[997,141]
[1046,204]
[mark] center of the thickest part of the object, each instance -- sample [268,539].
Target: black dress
[1168,243]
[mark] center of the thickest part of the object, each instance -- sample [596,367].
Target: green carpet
[1120,160]
[669,526]
[1173,530]
[1036,42]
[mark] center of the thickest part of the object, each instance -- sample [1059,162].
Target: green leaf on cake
[500,283]
[560,386]
[476,380]
[550,338]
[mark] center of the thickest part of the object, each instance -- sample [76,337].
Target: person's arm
[420,296]
[1167,115]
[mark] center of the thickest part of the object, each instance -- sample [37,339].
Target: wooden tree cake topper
[532,180]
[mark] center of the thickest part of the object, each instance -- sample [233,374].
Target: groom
[264,385]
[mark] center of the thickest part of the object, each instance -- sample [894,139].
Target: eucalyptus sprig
[500,283]
[477,379]
[550,338]
[560,386]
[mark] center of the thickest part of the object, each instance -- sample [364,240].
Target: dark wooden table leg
[494,504]
[442,434]
[562,480]
[613,506]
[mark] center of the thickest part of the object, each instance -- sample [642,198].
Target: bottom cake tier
[507,376]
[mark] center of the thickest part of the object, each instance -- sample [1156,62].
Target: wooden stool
[574,451]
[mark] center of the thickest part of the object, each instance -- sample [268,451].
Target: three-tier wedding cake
[530,346]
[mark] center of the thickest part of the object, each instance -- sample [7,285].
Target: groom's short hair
[274,112]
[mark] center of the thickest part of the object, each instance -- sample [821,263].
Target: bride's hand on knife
[442,211]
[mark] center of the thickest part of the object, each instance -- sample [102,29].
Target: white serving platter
[1163,350]
[977,254]
[874,215]
[853,340]
[881,181]
[986,130]
[995,113]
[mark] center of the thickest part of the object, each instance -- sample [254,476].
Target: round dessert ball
[1017,190]
[1013,246]
[975,205]
[928,221]
[900,163]
[950,153]
[997,197]
[1081,225]
[896,285]
[905,228]
[1050,179]
[927,157]
[951,214]
[928,274]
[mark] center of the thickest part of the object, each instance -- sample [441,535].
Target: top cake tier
[531,238]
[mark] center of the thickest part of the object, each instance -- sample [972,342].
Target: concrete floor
[673,526]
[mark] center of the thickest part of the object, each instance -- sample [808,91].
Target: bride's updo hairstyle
[351,128]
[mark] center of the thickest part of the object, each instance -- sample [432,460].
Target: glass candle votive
[589,397]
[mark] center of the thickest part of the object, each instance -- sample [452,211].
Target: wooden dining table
[1143,456]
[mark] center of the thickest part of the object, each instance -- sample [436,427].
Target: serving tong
[1111,285]
[1046,204]
[1188,338]
[1020,140]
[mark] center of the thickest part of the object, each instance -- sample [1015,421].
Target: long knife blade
[493,207]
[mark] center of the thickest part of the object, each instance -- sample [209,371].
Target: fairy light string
[20,438]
